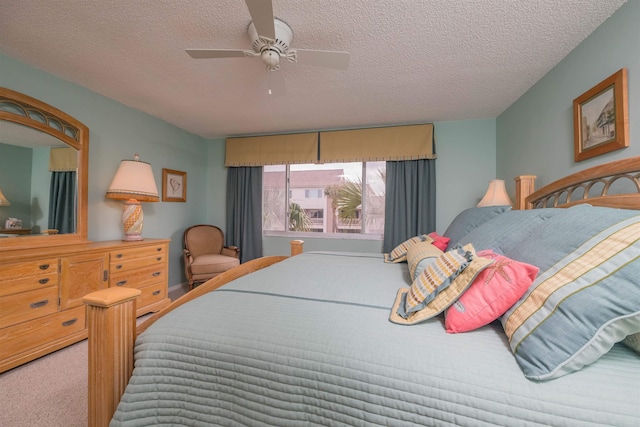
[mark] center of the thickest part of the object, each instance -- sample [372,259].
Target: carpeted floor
[50,391]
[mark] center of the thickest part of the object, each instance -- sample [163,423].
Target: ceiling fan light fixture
[271,58]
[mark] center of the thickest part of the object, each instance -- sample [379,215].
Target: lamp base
[132,220]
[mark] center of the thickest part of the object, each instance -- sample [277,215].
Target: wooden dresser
[41,290]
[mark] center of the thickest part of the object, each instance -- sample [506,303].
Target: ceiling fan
[271,40]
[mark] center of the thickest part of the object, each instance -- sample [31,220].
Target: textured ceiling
[412,61]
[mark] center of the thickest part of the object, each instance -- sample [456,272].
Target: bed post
[296,247]
[524,187]
[111,322]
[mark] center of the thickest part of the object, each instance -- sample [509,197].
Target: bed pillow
[505,231]
[443,295]
[491,294]
[399,253]
[576,310]
[419,256]
[470,218]
[439,241]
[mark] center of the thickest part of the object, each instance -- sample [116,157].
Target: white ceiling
[412,61]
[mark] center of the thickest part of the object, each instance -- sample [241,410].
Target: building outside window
[334,199]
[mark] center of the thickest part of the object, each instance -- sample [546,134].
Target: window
[315,193]
[335,198]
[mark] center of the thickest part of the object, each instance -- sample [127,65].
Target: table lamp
[3,200]
[496,195]
[134,183]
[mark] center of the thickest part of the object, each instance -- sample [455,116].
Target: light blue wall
[116,133]
[466,163]
[15,183]
[535,134]
[40,189]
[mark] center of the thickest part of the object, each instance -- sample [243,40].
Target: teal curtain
[62,202]
[244,211]
[410,201]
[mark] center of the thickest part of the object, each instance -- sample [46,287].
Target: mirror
[31,128]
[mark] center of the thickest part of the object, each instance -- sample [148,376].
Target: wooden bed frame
[111,319]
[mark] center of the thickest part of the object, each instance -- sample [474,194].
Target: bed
[315,338]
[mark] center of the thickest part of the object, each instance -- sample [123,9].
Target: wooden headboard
[615,184]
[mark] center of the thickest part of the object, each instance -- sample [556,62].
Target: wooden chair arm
[233,251]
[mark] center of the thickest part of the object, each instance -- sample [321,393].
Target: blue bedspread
[308,342]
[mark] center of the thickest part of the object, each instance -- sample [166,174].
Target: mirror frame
[45,118]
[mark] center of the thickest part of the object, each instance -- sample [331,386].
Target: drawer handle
[159,258]
[118,256]
[156,293]
[43,281]
[39,303]
[121,283]
[70,322]
[156,274]
[44,266]
[158,249]
[118,267]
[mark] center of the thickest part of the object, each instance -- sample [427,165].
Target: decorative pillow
[420,255]
[633,342]
[439,241]
[469,219]
[399,253]
[581,306]
[443,295]
[493,292]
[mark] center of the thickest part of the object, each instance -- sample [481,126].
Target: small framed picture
[600,118]
[174,186]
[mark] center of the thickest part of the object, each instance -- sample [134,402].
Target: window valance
[272,150]
[63,159]
[409,142]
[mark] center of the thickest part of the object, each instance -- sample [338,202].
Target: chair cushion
[212,264]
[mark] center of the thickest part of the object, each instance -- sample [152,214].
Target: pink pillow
[439,241]
[491,294]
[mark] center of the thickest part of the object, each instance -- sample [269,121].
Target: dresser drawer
[28,305]
[21,284]
[135,263]
[19,338]
[28,268]
[131,253]
[139,278]
[37,269]
[151,294]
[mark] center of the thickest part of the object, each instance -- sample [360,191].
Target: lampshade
[134,183]
[496,195]
[134,179]
[3,200]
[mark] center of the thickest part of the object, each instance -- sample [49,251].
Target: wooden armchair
[205,255]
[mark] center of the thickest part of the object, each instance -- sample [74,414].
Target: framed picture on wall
[600,118]
[174,186]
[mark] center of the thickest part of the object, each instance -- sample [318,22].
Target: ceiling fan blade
[216,53]
[323,58]
[261,12]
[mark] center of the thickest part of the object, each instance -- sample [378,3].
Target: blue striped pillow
[581,306]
